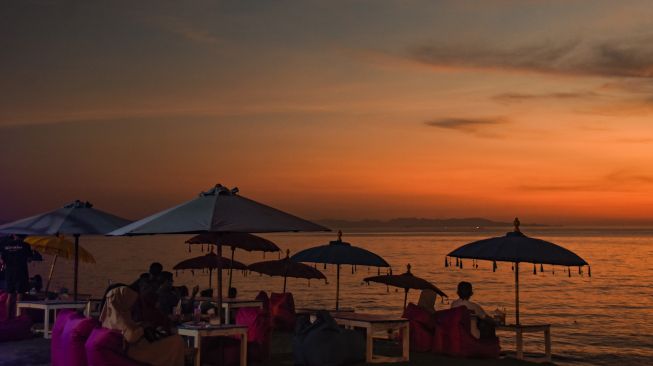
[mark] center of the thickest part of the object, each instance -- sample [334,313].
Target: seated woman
[142,343]
[482,326]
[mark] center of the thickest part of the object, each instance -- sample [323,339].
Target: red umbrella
[244,241]
[286,268]
[406,281]
[209,261]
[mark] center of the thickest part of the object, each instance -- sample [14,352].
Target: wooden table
[376,323]
[519,340]
[197,332]
[47,306]
[229,304]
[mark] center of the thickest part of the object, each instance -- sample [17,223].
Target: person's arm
[479,312]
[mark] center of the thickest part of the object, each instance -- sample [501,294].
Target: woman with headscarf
[117,314]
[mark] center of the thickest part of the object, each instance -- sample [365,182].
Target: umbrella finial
[517,223]
[408,268]
[339,235]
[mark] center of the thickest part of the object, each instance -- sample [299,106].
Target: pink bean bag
[16,329]
[282,311]
[259,335]
[73,340]
[454,338]
[104,347]
[422,328]
[57,354]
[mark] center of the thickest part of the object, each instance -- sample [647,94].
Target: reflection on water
[606,319]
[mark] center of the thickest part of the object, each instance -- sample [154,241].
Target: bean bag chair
[16,329]
[4,297]
[226,351]
[324,343]
[104,347]
[57,353]
[422,328]
[282,311]
[454,338]
[73,340]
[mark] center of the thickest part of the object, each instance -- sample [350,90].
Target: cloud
[624,57]
[186,30]
[525,97]
[480,127]
[616,181]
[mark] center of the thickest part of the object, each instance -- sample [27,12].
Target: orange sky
[367,110]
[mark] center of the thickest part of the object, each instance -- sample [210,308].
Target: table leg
[19,310]
[369,346]
[406,341]
[519,343]
[243,349]
[547,344]
[46,323]
[87,309]
[227,314]
[197,343]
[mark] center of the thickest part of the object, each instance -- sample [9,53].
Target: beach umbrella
[76,219]
[286,268]
[219,209]
[518,248]
[243,241]
[209,261]
[58,246]
[339,252]
[406,281]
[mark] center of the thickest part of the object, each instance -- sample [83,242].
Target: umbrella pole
[210,277]
[338,287]
[47,285]
[517,293]
[219,284]
[76,266]
[231,268]
[285,272]
[405,297]
[285,278]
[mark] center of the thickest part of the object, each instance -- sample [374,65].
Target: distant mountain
[413,223]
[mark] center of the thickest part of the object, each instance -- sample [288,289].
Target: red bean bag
[422,327]
[104,347]
[73,340]
[453,336]
[259,335]
[282,311]
[16,329]
[57,354]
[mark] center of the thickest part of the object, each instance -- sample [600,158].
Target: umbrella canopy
[209,261]
[518,248]
[286,268]
[218,210]
[244,241]
[58,246]
[406,281]
[339,252]
[76,218]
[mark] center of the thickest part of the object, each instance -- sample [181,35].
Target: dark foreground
[36,352]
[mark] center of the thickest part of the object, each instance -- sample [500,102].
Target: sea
[602,319]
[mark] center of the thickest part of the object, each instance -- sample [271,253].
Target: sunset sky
[326,109]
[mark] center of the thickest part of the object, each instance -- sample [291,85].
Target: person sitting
[482,326]
[155,270]
[145,344]
[167,295]
[427,300]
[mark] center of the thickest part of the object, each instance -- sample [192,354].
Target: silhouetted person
[15,255]
[482,326]
[167,295]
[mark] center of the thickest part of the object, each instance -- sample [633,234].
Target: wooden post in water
[76,266]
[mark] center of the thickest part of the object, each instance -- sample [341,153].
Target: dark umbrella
[286,268]
[406,281]
[516,247]
[76,219]
[218,210]
[209,261]
[244,241]
[339,252]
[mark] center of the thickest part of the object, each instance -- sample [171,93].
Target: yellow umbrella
[57,246]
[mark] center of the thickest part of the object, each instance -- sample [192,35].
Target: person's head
[232,293]
[109,288]
[465,290]
[155,269]
[207,293]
